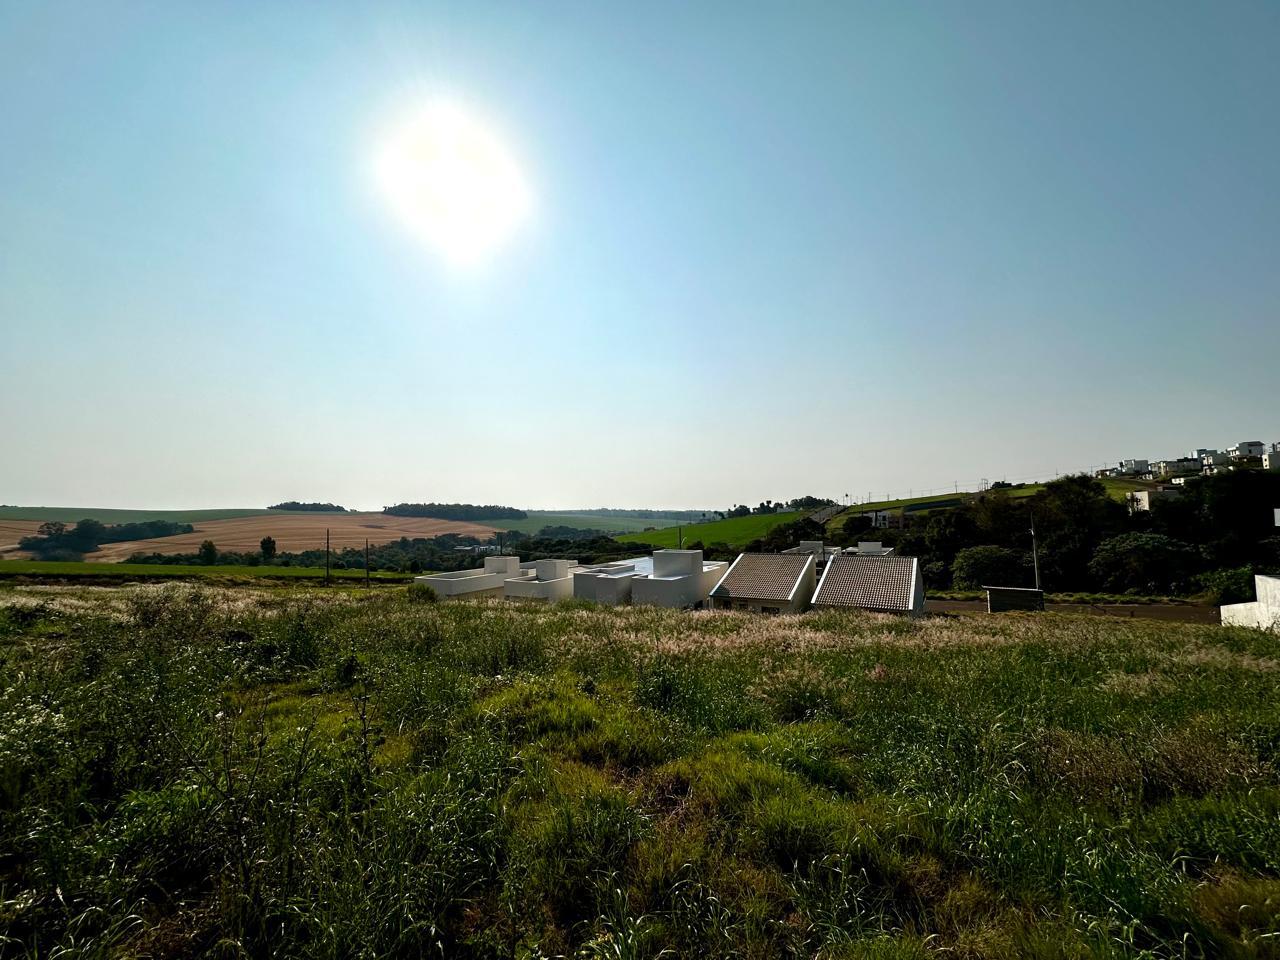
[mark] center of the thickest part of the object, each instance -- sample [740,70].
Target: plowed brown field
[292,532]
[11,531]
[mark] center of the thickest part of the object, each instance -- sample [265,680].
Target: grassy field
[736,531]
[291,771]
[582,521]
[107,515]
[164,571]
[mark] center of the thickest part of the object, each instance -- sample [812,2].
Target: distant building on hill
[1271,461]
[1141,500]
[1247,448]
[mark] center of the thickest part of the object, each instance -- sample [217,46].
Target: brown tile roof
[763,576]
[873,583]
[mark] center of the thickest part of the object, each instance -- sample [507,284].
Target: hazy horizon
[732,254]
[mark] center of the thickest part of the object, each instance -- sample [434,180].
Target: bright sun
[452,182]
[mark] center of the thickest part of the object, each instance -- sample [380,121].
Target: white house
[1271,461]
[1263,612]
[1172,468]
[610,583]
[1247,448]
[678,578]
[484,581]
[1129,468]
[548,580]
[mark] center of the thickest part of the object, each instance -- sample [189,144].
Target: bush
[1227,586]
[996,566]
[1143,563]
[421,593]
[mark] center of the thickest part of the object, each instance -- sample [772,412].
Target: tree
[52,529]
[1144,563]
[991,566]
[268,546]
[208,553]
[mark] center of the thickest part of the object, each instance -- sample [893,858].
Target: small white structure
[1141,500]
[870,548]
[610,582]
[1247,448]
[484,581]
[1173,468]
[1264,612]
[767,583]
[547,580]
[1271,461]
[679,578]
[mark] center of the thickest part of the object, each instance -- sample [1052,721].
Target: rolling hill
[735,531]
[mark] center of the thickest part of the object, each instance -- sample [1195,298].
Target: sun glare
[452,182]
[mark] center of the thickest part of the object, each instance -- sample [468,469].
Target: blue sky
[775,249]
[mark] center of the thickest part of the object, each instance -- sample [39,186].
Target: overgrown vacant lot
[291,772]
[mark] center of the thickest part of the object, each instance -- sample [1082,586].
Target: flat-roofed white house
[1247,448]
[610,582]
[547,580]
[678,578]
[767,583]
[1271,461]
[870,548]
[483,581]
[1263,612]
[883,584]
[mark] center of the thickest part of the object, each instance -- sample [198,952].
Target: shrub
[1143,563]
[989,565]
[421,593]
[1227,586]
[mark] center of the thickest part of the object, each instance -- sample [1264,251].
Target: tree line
[296,506]
[54,540]
[1211,538]
[455,511]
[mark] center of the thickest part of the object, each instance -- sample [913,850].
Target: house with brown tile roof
[886,584]
[767,583]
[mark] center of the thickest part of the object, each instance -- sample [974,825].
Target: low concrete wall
[1263,613]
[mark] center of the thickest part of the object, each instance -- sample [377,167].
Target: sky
[770,250]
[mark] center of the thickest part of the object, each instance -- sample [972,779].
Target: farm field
[735,531]
[292,532]
[170,571]
[583,521]
[289,770]
[107,515]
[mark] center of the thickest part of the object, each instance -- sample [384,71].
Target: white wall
[1263,612]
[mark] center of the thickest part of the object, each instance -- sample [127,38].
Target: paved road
[1183,613]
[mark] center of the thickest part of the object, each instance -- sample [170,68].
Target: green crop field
[167,571]
[290,771]
[108,515]
[582,521]
[735,531]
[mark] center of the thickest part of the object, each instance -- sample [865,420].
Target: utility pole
[1035,557]
[326,556]
[366,563]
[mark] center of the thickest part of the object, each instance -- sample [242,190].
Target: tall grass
[292,772]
